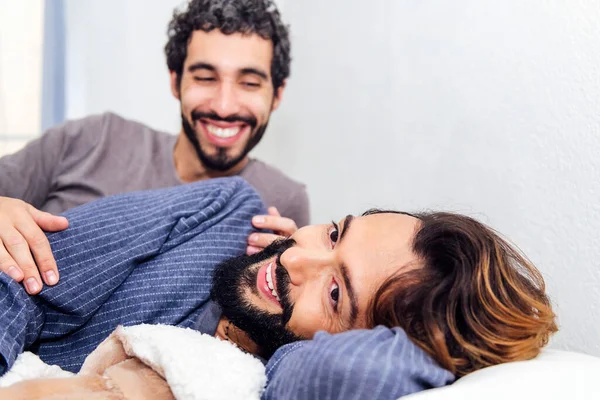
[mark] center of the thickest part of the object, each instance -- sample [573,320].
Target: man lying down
[457,296]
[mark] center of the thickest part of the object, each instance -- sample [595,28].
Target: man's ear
[175,84]
[278,96]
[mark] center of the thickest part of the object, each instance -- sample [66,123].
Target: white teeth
[223,132]
[270,281]
[268,276]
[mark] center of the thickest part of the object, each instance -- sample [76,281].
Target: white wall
[489,108]
[115,60]
[21,27]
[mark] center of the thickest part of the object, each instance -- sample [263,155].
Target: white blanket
[196,366]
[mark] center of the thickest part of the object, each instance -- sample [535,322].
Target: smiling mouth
[270,283]
[224,133]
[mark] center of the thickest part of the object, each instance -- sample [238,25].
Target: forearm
[130,379]
[89,387]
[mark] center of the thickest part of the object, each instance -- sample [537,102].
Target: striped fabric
[147,257]
[380,363]
[127,259]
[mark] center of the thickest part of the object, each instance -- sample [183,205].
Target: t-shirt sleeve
[380,363]
[30,174]
[27,174]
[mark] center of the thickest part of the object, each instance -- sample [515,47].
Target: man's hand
[283,227]
[24,248]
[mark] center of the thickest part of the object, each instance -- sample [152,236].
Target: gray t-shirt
[82,160]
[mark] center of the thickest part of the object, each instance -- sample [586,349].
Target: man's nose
[303,265]
[226,100]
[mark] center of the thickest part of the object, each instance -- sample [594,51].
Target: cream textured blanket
[195,366]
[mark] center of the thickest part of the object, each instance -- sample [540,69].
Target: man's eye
[203,79]
[334,294]
[251,84]
[334,233]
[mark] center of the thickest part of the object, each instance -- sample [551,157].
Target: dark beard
[233,277]
[221,160]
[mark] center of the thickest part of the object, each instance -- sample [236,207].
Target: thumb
[49,222]
[273,211]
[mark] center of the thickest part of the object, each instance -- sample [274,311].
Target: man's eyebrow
[254,71]
[201,65]
[346,275]
[351,296]
[346,226]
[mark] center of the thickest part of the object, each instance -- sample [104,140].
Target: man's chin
[220,158]
[235,289]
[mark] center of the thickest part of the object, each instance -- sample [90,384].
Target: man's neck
[231,333]
[189,167]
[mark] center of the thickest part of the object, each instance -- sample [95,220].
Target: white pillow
[552,375]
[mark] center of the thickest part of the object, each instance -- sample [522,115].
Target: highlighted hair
[474,301]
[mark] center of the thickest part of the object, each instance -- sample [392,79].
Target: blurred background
[490,108]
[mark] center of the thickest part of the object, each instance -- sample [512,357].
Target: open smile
[267,283]
[223,134]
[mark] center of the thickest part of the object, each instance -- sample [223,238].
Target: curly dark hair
[259,17]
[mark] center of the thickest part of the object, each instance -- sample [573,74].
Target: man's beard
[231,281]
[221,161]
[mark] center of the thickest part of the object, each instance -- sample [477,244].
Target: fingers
[258,241]
[273,211]
[16,246]
[39,245]
[253,250]
[280,225]
[47,221]
[8,265]
[40,248]
[25,253]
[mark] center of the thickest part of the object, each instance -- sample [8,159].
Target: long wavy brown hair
[473,301]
